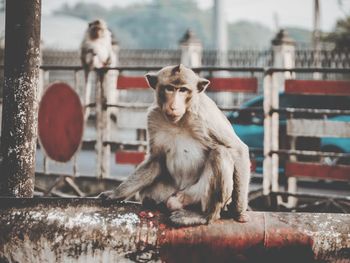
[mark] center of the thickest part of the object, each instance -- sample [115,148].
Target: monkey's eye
[169,88]
[183,89]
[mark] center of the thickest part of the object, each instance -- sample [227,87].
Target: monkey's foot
[184,217]
[108,195]
[242,217]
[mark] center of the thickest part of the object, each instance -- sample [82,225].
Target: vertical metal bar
[274,133]
[87,94]
[75,165]
[292,181]
[103,150]
[267,89]
[99,125]
[45,83]
[46,163]
[20,107]
[46,78]
[76,81]
[76,88]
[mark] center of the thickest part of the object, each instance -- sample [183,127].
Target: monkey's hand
[184,217]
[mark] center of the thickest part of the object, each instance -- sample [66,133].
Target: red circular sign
[61,122]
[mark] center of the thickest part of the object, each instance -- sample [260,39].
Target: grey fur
[197,159]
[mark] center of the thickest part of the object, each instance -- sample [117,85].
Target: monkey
[194,157]
[96,51]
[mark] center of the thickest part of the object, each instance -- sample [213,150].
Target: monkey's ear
[202,84]
[152,80]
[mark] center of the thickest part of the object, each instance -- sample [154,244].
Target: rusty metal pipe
[85,230]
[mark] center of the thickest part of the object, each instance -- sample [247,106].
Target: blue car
[249,126]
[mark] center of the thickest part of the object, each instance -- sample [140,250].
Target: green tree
[249,34]
[161,24]
[341,34]
[84,11]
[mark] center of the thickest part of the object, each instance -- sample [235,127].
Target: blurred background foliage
[161,23]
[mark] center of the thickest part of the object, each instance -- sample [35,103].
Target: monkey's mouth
[173,118]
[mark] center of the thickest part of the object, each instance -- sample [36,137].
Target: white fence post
[283,47]
[191,50]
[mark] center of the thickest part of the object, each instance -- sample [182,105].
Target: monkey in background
[97,51]
[96,48]
[194,159]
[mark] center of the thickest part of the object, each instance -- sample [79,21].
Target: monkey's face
[97,29]
[96,32]
[175,100]
[176,87]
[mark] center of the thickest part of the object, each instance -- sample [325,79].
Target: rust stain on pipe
[82,230]
[272,237]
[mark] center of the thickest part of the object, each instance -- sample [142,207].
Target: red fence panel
[246,85]
[315,170]
[132,82]
[317,87]
[129,157]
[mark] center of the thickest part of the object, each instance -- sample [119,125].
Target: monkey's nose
[173,109]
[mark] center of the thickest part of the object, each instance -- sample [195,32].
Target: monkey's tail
[184,217]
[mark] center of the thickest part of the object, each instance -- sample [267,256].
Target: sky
[297,13]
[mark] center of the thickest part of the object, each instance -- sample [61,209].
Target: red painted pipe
[82,230]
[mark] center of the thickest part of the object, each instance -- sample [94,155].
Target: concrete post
[283,53]
[191,50]
[20,107]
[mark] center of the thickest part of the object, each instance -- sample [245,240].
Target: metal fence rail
[271,127]
[265,76]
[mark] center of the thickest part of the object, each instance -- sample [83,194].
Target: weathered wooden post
[19,120]
[191,50]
